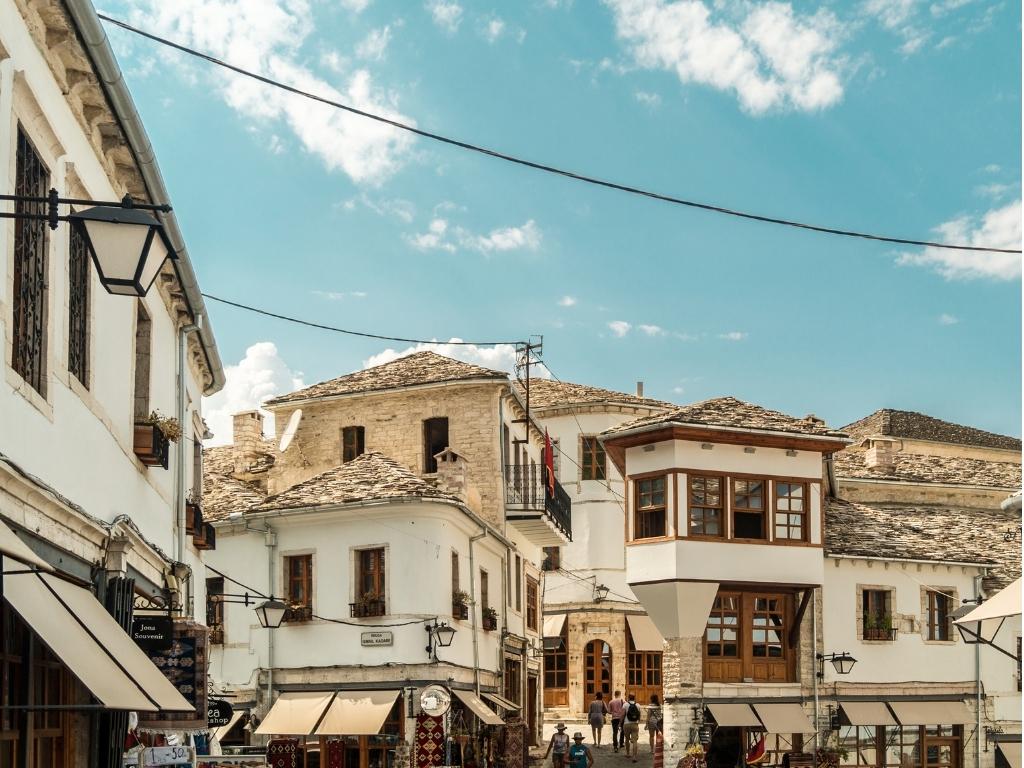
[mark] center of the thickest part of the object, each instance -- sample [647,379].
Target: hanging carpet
[429,741]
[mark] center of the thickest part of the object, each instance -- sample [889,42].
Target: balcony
[544,517]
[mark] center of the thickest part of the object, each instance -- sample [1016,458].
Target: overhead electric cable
[541,166]
[365,335]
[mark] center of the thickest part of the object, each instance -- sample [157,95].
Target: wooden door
[597,670]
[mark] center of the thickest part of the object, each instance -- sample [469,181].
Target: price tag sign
[156,756]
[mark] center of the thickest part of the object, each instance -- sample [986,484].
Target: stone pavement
[604,755]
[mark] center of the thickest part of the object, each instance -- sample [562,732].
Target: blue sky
[900,117]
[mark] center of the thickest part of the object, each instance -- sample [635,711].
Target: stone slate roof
[919,468]
[547,393]
[919,426]
[369,477]
[731,412]
[927,532]
[418,368]
[222,493]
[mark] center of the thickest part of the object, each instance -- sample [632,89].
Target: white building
[409,494]
[80,482]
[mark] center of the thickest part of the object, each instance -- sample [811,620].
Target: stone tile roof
[412,370]
[547,393]
[223,493]
[731,412]
[919,468]
[927,532]
[369,477]
[919,426]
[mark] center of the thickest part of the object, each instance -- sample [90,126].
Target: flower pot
[150,445]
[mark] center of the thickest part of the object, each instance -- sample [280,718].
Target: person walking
[558,747]
[579,753]
[616,708]
[595,716]
[654,719]
[631,727]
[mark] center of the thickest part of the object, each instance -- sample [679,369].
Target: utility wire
[365,335]
[541,166]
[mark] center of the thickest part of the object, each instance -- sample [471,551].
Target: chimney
[639,389]
[881,454]
[247,438]
[451,473]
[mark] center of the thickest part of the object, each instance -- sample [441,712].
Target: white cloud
[356,6]
[992,168]
[998,228]
[619,327]
[946,6]
[434,239]
[567,301]
[446,14]
[648,99]
[768,55]
[685,336]
[994,191]
[493,29]
[946,319]
[679,390]
[267,36]
[501,357]
[733,335]
[403,210]
[652,330]
[340,295]
[441,236]
[375,44]
[260,375]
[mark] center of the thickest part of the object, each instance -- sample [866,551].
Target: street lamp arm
[53,200]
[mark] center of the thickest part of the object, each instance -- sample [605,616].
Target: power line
[541,166]
[363,334]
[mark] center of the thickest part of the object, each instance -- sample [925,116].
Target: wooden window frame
[747,665]
[429,462]
[532,604]
[644,670]
[371,561]
[593,459]
[691,505]
[642,514]
[519,584]
[512,679]
[556,664]
[787,524]
[353,443]
[485,591]
[298,610]
[735,509]
[870,599]
[938,624]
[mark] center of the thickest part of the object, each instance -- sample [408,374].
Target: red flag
[549,463]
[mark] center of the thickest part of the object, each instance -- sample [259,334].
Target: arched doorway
[597,669]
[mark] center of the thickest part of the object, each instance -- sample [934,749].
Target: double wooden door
[597,670]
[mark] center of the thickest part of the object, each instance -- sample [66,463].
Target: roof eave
[277,403]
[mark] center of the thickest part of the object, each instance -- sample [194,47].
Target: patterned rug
[335,753]
[283,753]
[515,743]
[429,741]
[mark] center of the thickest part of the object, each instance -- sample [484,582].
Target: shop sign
[218,712]
[385,637]
[152,633]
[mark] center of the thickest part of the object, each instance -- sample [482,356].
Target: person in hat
[579,753]
[558,747]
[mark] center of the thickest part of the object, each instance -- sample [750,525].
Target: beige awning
[784,718]
[736,715]
[1011,751]
[867,713]
[16,549]
[478,708]
[101,625]
[646,636]
[553,625]
[65,633]
[502,702]
[356,713]
[223,730]
[931,712]
[1004,603]
[295,713]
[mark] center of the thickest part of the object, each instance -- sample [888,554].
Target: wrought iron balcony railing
[526,489]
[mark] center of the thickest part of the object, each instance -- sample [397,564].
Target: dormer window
[650,520]
[748,509]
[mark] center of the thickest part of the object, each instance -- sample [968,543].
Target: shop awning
[87,640]
[733,715]
[931,712]
[356,713]
[502,702]
[1011,751]
[223,730]
[478,708]
[784,718]
[295,713]
[553,625]
[1004,603]
[867,713]
[646,636]
[16,549]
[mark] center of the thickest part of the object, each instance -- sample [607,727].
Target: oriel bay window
[370,592]
[650,519]
[298,587]
[747,638]
[790,511]
[748,499]
[705,505]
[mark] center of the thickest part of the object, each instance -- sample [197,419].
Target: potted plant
[152,439]
[490,618]
[369,604]
[460,605]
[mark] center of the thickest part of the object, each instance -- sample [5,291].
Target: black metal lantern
[127,245]
[271,613]
[843,663]
[601,593]
[444,635]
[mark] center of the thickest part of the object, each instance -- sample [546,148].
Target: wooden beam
[794,632]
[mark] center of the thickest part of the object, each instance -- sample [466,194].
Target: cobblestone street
[604,755]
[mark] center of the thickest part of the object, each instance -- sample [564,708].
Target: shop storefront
[902,734]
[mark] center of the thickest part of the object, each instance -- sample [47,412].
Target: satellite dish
[435,700]
[290,430]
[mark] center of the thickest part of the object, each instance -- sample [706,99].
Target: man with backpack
[631,726]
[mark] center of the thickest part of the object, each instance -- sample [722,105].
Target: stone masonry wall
[393,423]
